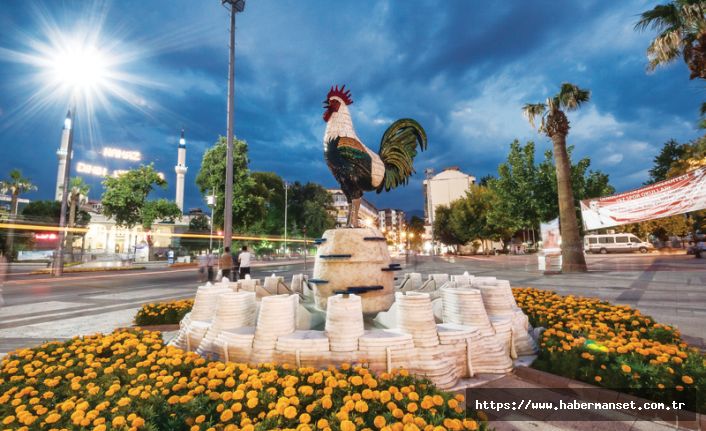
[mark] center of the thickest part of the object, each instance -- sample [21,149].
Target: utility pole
[69,123]
[235,7]
[286,186]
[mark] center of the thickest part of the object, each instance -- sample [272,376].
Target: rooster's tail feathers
[398,148]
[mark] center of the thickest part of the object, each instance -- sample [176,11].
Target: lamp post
[59,252]
[286,186]
[211,202]
[235,7]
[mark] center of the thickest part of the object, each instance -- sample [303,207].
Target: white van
[615,243]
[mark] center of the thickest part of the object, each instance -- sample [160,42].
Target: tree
[444,230]
[15,186]
[270,187]
[671,152]
[200,223]
[125,199]
[47,212]
[555,125]
[416,227]
[248,207]
[515,188]
[682,31]
[78,194]
[309,205]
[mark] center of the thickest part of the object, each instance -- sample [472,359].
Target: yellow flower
[379,421]
[347,425]
[686,379]
[598,378]
[290,412]
[626,368]
[361,406]
[304,418]
[226,415]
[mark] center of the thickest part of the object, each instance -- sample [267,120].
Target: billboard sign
[677,195]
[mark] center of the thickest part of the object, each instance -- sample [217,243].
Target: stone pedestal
[354,260]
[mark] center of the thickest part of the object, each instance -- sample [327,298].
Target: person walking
[244,261]
[210,260]
[226,263]
[236,266]
[202,258]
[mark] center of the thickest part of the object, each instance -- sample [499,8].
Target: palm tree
[77,196]
[555,125]
[15,185]
[682,30]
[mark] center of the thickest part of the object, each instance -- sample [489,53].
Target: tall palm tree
[78,194]
[682,31]
[555,125]
[15,185]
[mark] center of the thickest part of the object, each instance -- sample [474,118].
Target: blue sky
[462,69]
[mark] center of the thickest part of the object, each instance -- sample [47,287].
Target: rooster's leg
[353,212]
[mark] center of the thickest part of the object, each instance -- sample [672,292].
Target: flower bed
[130,380]
[614,346]
[163,313]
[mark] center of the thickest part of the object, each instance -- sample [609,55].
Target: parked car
[697,249]
[615,243]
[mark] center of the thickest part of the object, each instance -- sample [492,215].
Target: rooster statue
[358,169]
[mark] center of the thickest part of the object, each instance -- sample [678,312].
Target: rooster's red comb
[344,94]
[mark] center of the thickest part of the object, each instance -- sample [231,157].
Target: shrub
[614,346]
[163,313]
[130,380]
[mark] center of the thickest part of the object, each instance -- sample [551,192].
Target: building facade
[392,224]
[367,216]
[442,189]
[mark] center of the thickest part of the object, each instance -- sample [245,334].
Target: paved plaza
[671,288]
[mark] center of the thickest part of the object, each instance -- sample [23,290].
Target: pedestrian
[244,261]
[236,266]
[226,263]
[203,259]
[3,272]
[210,260]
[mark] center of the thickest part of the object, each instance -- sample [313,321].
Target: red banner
[678,195]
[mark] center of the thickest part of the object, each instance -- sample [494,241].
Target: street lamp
[81,70]
[286,186]
[235,7]
[211,202]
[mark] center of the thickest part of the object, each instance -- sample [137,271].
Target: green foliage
[661,228]
[200,223]
[163,313]
[308,207]
[48,212]
[15,186]
[398,147]
[527,191]
[443,229]
[125,198]
[160,209]
[671,152]
[248,208]
[416,226]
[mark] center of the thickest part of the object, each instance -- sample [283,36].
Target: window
[635,239]
[621,239]
[593,240]
[606,240]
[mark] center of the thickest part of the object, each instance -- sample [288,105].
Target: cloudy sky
[463,69]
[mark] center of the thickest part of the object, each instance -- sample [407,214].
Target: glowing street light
[80,69]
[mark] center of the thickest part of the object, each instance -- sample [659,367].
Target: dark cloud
[463,69]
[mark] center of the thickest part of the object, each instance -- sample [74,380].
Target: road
[671,288]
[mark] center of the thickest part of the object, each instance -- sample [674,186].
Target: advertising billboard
[677,195]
